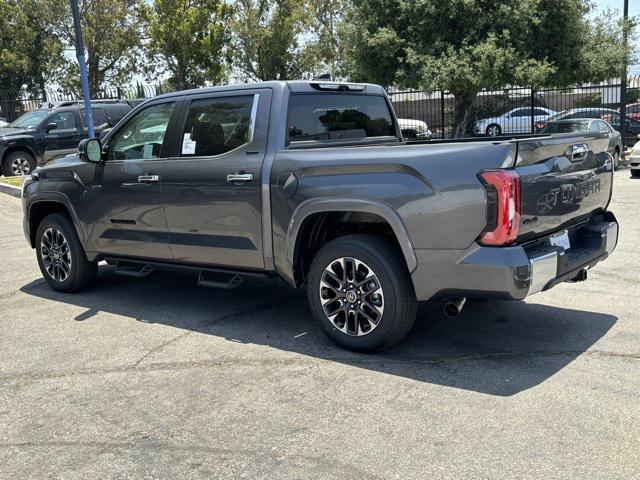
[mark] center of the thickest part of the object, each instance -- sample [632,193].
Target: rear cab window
[98,115]
[335,117]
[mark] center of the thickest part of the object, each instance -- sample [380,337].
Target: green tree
[326,20]
[28,52]
[464,46]
[112,34]
[268,41]
[188,38]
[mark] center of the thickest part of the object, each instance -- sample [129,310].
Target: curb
[11,190]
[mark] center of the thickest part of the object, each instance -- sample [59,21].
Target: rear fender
[321,205]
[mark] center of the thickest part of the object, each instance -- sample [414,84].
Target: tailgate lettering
[567,194]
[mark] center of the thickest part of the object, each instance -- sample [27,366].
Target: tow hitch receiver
[580,277]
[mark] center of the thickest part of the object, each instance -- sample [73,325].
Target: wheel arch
[43,206]
[18,148]
[309,218]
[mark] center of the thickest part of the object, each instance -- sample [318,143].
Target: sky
[634,5]
[634,11]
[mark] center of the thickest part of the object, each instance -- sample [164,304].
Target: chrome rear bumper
[545,266]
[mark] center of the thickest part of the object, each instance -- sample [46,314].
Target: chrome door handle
[240,177]
[148,178]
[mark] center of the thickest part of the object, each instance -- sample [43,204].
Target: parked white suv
[414,128]
[517,120]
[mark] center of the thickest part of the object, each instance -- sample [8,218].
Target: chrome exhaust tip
[453,306]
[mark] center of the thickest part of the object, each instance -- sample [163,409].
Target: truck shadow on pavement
[497,348]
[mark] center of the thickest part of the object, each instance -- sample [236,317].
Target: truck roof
[297,86]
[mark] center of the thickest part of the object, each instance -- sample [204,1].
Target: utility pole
[83,66]
[623,83]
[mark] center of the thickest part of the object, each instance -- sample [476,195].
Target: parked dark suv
[53,131]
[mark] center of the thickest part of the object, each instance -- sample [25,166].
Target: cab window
[522,112]
[215,126]
[335,117]
[99,118]
[63,120]
[142,136]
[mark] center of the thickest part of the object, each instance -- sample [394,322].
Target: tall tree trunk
[180,78]
[463,103]
[94,75]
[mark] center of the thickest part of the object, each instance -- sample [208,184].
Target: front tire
[360,292]
[61,258]
[635,173]
[616,159]
[18,163]
[493,130]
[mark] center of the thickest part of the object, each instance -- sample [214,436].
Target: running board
[135,270]
[219,280]
[207,277]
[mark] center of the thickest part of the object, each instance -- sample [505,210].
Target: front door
[62,133]
[212,186]
[124,205]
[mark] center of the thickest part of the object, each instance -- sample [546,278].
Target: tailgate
[565,179]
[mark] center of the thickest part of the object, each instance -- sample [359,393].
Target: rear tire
[18,163]
[370,316]
[616,159]
[635,173]
[61,258]
[493,130]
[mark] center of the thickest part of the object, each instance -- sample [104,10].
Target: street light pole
[83,66]
[623,83]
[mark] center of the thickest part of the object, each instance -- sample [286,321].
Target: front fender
[20,142]
[320,205]
[53,197]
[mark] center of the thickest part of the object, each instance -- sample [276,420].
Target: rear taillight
[503,207]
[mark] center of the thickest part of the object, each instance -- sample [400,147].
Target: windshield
[30,119]
[566,127]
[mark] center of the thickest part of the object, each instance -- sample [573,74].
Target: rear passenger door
[212,186]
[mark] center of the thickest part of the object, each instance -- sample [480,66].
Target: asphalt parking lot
[159,379]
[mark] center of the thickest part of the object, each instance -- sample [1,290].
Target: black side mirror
[90,150]
[50,126]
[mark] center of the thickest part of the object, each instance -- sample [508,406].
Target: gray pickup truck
[312,182]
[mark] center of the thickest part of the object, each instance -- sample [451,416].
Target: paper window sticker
[188,145]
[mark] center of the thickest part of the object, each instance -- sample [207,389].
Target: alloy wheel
[493,131]
[20,166]
[56,254]
[351,296]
